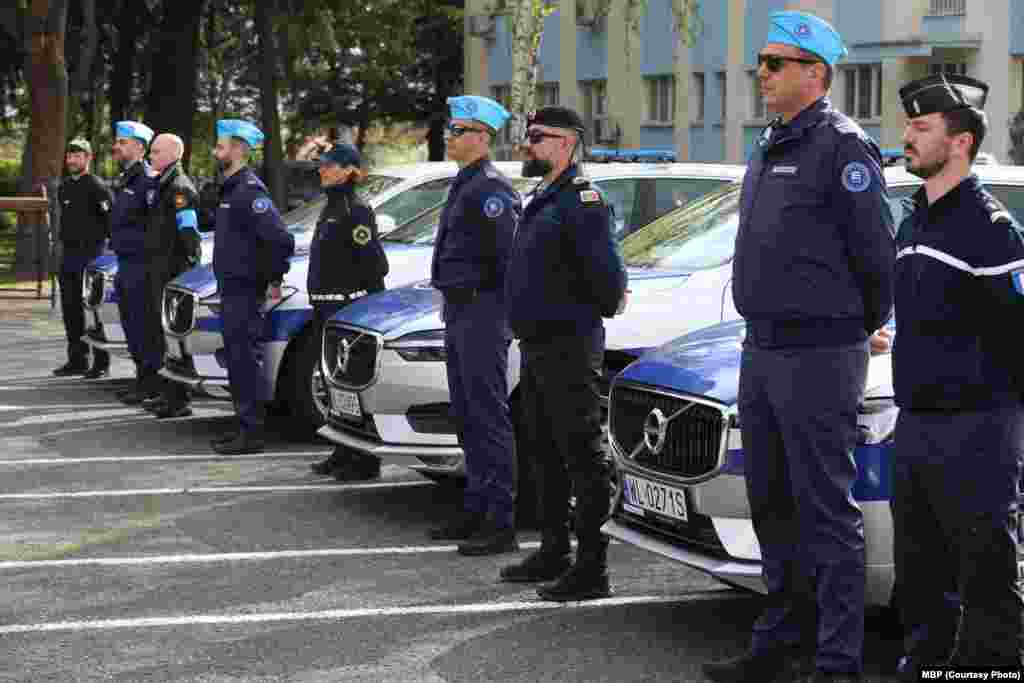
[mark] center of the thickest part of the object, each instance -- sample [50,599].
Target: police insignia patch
[590,197]
[856,177]
[494,207]
[180,201]
[361,235]
[261,205]
[803,30]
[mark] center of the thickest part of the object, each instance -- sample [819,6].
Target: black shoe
[458,529]
[490,540]
[323,468]
[169,412]
[243,444]
[578,583]
[151,403]
[71,368]
[779,666]
[136,398]
[830,677]
[227,438]
[96,373]
[540,565]
[359,469]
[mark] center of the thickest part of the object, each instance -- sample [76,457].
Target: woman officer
[346,261]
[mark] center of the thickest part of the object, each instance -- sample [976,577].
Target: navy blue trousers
[243,348]
[798,416]
[956,532]
[477,339]
[132,303]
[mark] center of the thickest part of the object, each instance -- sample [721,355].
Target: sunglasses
[535,137]
[457,131]
[774,63]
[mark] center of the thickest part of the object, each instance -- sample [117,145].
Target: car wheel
[302,387]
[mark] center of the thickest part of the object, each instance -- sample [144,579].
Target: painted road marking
[195,490]
[212,457]
[348,614]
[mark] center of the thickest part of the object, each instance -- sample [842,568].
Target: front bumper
[104,331]
[203,372]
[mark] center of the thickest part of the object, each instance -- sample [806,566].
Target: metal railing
[947,8]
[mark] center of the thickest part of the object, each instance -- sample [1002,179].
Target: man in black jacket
[172,247]
[84,225]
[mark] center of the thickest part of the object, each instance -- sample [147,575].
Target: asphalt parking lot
[130,552]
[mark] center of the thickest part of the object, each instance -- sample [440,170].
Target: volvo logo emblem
[655,428]
[175,307]
[344,354]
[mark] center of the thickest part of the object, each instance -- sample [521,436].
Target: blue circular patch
[856,177]
[803,30]
[261,205]
[494,207]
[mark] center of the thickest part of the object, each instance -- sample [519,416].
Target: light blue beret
[807,32]
[237,128]
[476,108]
[133,129]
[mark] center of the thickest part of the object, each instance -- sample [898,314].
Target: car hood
[104,263]
[199,280]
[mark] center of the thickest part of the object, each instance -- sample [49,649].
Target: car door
[406,205]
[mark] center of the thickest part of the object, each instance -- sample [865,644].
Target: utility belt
[769,334]
[465,295]
[325,298]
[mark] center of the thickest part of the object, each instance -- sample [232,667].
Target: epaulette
[997,213]
[581,180]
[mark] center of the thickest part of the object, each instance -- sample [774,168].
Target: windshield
[697,236]
[423,228]
[304,218]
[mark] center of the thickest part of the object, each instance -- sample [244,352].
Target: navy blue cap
[342,155]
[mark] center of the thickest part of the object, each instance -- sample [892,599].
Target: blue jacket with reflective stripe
[130,212]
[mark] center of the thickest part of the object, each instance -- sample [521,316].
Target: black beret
[556,117]
[942,92]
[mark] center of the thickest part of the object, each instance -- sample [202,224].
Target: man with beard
[813,277]
[85,204]
[565,274]
[172,247]
[250,257]
[959,382]
[128,232]
[470,258]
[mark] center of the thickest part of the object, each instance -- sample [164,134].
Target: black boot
[75,366]
[227,438]
[547,563]
[460,528]
[585,580]
[243,444]
[783,665]
[100,365]
[170,411]
[490,539]
[356,466]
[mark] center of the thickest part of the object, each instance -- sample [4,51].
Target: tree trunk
[526,24]
[47,81]
[273,160]
[122,80]
[172,98]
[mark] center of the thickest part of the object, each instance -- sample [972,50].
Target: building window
[595,107]
[661,99]
[959,68]
[502,94]
[863,91]
[547,95]
[723,95]
[757,107]
[698,96]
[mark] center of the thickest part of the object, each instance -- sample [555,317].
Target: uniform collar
[567,176]
[950,202]
[467,172]
[243,174]
[170,173]
[808,118]
[139,167]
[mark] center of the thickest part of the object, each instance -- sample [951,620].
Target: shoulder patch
[261,205]
[493,206]
[590,197]
[856,177]
[180,200]
[361,235]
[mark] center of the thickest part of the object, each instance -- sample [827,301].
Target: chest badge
[856,177]
[785,170]
[261,205]
[494,207]
[361,235]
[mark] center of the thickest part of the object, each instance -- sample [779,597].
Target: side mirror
[385,224]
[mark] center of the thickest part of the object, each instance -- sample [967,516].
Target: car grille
[95,284]
[179,311]
[431,418]
[350,356]
[363,426]
[692,447]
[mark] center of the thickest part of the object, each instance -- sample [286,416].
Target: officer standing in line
[346,262]
[172,247]
[959,382]
[85,204]
[128,231]
[565,274]
[250,257]
[813,277]
[471,253]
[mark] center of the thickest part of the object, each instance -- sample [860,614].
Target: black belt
[810,332]
[464,295]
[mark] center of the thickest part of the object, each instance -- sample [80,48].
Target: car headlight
[420,347]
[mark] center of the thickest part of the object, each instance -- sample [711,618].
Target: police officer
[959,382]
[128,230]
[565,274]
[471,253]
[84,226]
[346,262]
[250,256]
[171,247]
[813,277]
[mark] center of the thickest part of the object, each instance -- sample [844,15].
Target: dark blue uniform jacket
[478,222]
[130,213]
[960,297]
[251,243]
[566,272]
[814,250]
[346,255]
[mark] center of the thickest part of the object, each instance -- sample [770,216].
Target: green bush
[10,173]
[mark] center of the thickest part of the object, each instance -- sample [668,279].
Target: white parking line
[211,558]
[347,614]
[212,457]
[276,488]
[6,408]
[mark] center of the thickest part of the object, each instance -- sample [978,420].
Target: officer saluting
[346,262]
[813,277]
[84,225]
[470,258]
[250,256]
[959,380]
[565,274]
[128,231]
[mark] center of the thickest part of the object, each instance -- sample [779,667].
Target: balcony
[947,8]
[944,25]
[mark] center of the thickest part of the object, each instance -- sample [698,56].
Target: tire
[301,389]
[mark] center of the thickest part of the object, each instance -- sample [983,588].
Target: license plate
[174,349]
[642,494]
[345,403]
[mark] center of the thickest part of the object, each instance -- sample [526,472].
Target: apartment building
[702,100]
